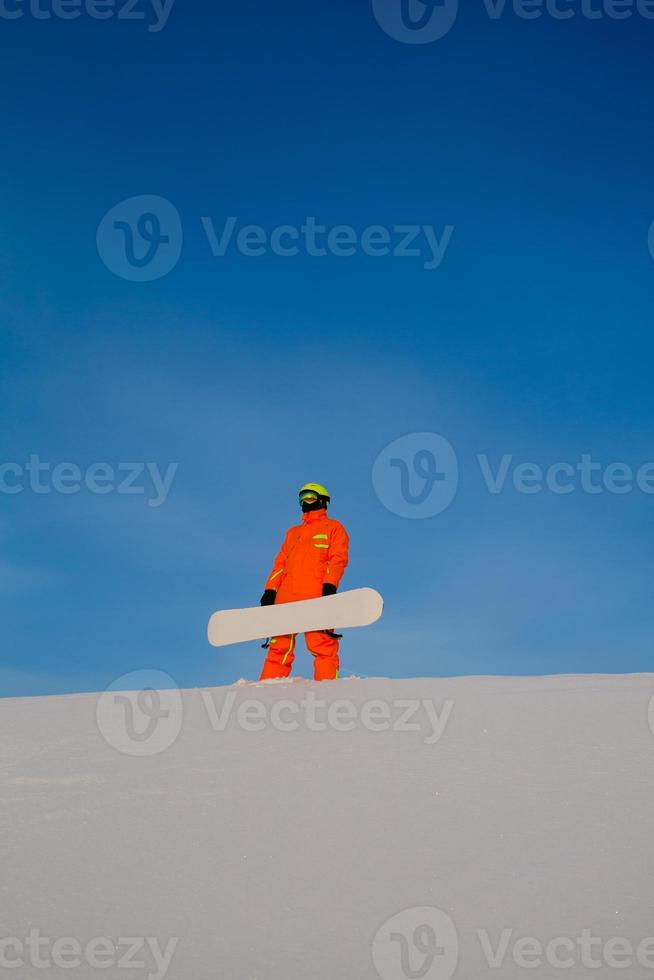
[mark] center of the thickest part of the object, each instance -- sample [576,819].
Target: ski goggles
[308,497]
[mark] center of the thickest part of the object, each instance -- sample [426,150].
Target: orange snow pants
[322,646]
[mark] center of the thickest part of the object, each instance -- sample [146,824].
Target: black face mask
[319,504]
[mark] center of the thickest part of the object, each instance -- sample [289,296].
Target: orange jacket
[313,552]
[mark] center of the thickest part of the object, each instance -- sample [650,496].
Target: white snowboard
[358,607]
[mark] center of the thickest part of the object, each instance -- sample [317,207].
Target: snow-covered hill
[424,828]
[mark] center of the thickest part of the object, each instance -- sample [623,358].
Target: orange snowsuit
[313,552]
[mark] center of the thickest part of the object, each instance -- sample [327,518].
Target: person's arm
[337,559]
[274,579]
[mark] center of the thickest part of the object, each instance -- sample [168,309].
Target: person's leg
[280,658]
[324,648]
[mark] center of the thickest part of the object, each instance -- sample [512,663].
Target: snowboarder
[310,564]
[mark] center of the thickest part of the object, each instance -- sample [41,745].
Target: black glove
[328,588]
[268,598]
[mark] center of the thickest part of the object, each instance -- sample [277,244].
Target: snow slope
[511,833]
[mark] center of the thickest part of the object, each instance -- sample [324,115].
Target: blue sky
[531,339]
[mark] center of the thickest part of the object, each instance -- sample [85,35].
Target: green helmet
[313,496]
